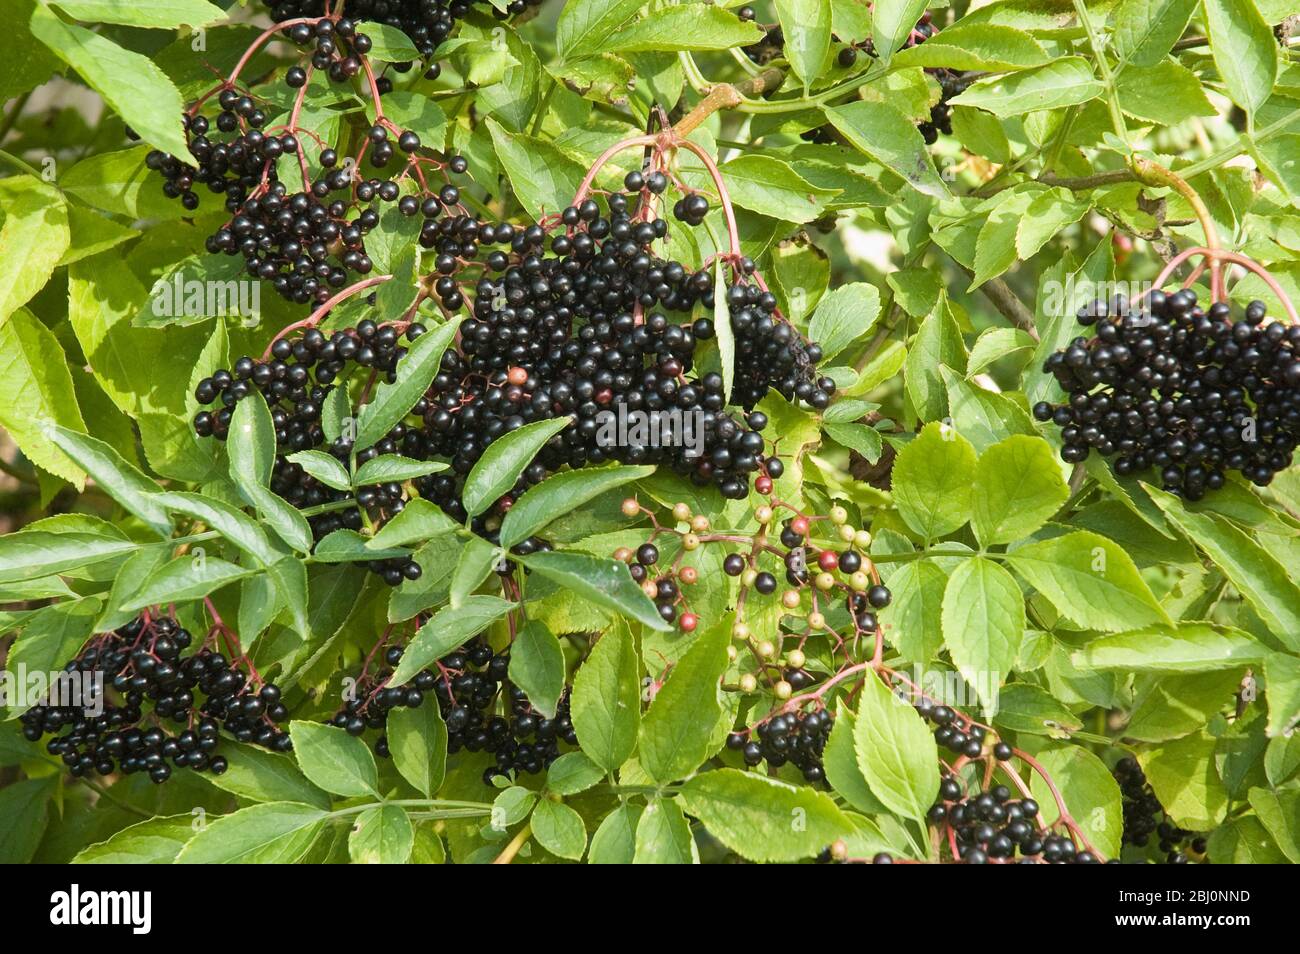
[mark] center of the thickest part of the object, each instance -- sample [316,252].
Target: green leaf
[130,84]
[572,773]
[477,558]
[33,238]
[603,582]
[678,729]
[984,46]
[156,841]
[1023,707]
[251,448]
[763,819]
[261,776]
[554,497]
[932,481]
[1018,486]
[1089,791]
[334,760]
[983,416]
[447,629]
[663,836]
[496,472]
[31,554]
[614,842]
[389,44]
[559,829]
[415,372]
[417,741]
[274,833]
[347,546]
[840,761]
[769,186]
[324,467]
[545,180]
[24,806]
[1146,30]
[1050,211]
[235,525]
[1067,81]
[381,836]
[937,344]
[983,624]
[1183,775]
[1282,679]
[1245,51]
[290,577]
[896,752]
[396,468]
[1279,812]
[690,27]
[419,520]
[861,438]
[844,316]
[891,25]
[806,26]
[36,394]
[1186,648]
[1167,93]
[913,618]
[582,28]
[882,132]
[537,666]
[1091,580]
[1244,841]
[119,479]
[606,703]
[1260,578]
[156,14]
[512,806]
[186,578]
[994,344]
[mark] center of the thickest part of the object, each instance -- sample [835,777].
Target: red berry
[800,526]
[828,560]
[763,485]
[517,376]
[688,622]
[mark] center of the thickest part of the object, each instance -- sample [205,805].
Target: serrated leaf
[415,372]
[1067,81]
[983,624]
[33,237]
[395,468]
[763,819]
[537,666]
[844,316]
[1091,580]
[1245,51]
[896,752]
[1186,648]
[186,578]
[417,742]
[334,760]
[156,841]
[677,731]
[882,132]
[381,836]
[606,703]
[495,473]
[932,481]
[419,520]
[559,829]
[663,835]
[557,495]
[1018,486]
[324,467]
[274,833]
[447,629]
[604,582]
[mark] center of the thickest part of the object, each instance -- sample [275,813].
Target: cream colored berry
[795,659]
[740,631]
[630,507]
[765,649]
[862,540]
[748,577]
[790,599]
[816,620]
[700,523]
[839,515]
[763,514]
[681,512]
[748,683]
[825,581]
[783,690]
[859,581]
[847,533]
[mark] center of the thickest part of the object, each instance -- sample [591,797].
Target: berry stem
[311,320]
[1153,174]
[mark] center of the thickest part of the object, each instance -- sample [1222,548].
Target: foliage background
[940,279]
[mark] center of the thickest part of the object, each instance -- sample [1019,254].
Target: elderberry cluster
[425,22]
[1166,384]
[584,331]
[104,732]
[1144,816]
[795,737]
[467,685]
[992,826]
[295,382]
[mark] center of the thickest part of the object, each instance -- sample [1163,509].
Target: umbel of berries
[152,709]
[1190,393]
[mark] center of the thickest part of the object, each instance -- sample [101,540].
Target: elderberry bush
[627,432]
